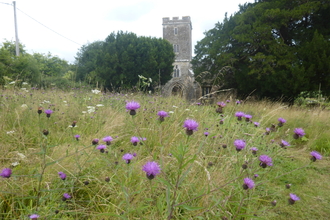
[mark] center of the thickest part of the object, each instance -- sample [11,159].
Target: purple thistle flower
[190,126]
[284,143]
[62,175]
[265,161]
[77,136]
[315,156]
[254,150]
[238,102]
[101,148]
[6,173]
[281,121]
[128,158]
[107,140]
[66,196]
[162,114]
[95,141]
[132,106]
[239,115]
[256,124]
[298,132]
[256,175]
[293,198]
[247,117]
[248,183]
[152,169]
[239,144]
[206,133]
[34,216]
[135,140]
[48,112]
[221,104]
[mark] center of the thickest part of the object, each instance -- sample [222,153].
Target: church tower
[178,33]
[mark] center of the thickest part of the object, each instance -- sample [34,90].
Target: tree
[121,58]
[276,48]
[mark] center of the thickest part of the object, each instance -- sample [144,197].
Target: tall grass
[202,175]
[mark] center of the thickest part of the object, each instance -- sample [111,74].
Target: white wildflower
[22,156]
[99,105]
[10,132]
[14,164]
[24,106]
[187,109]
[84,112]
[171,112]
[91,109]
[25,83]
[13,82]
[175,106]
[95,91]
[45,101]
[65,101]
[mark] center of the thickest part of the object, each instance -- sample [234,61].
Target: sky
[61,27]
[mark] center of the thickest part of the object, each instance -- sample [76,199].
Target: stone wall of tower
[178,32]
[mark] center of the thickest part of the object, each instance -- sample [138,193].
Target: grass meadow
[202,176]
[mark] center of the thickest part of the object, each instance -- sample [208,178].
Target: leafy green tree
[121,58]
[19,68]
[275,48]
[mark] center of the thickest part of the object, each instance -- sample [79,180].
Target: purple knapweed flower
[6,173]
[247,117]
[132,106]
[281,121]
[190,126]
[77,136]
[265,161]
[254,150]
[107,140]
[62,175]
[293,198]
[315,156]
[284,143]
[239,144]
[256,175]
[267,131]
[101,148]
[239,115]
[34,216]
[66,196]
[238,102]
[298,132]
[206,133]
[152,169]
[95,141]
[128,158]
[48,112]
[248,183]
[221,104]
[135,140]
[256,124]
[162,115]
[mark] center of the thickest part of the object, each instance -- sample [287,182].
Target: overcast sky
[82,22]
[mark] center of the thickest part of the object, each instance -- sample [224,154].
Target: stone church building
[178,32]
